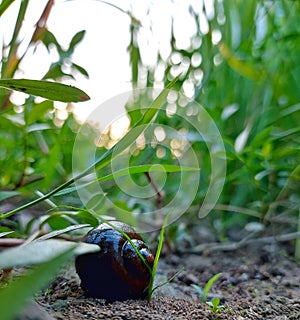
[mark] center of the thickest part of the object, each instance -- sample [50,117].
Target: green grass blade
[3,234]
[169,280]
[146,168]
[135,131]
[9,66]
[297,242]
[57,233]
[8,194]
[198,289]
[158,252]
[4,5]
[209,284]
[132,170]
[46,89]
[113,152]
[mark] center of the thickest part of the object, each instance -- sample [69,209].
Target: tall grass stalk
[297,244]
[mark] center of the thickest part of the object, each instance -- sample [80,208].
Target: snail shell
[116,272]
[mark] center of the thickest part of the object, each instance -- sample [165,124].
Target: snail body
[116,272]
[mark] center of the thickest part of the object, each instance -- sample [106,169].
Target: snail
[116,272]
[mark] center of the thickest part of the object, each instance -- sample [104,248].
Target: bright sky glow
[103,51]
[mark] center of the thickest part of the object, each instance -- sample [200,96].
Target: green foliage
[3,234]
[35,159]
[4,5]
[244,72]
[45,89]
[156,260]
[297,245]
[21,289]
[214,304]
[203,293]
[40,251]
[107,157]
[30,156]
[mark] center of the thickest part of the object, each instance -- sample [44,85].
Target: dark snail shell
[116,272]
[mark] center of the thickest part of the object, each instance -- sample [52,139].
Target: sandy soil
[257,282]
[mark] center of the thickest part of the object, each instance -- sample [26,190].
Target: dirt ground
[257,282]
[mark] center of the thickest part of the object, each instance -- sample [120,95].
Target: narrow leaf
[46,89]
[76,39]
[4,5]
[157,256]
[199,290]
[243,68]
[135,131]
[41,251]
[80,69]
[8,194]
[175,275]
[69,190]
[146,168]
[209,284]
[62,231]
[131,170]
[21,289]
[126,141]
[3,234]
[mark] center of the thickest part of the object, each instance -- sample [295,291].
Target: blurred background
[239,60]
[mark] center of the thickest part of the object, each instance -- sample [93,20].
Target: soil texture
[257,282]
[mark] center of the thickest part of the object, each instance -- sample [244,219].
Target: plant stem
[158,251]
[46,196]
[11,62]
[297,243]
[110,154]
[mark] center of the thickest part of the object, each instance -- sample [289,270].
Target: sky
[103,51]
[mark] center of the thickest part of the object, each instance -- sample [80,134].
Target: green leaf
[245,69]
[132,170]
[85,217]
[121,145]
[214,305]
[198,289]
[81,216]
[8,194]
[76,39]
[37,252]
[69,190]
[62,231]
[52,165]
[26,286]
[4,5]
[215,302]
[135,131]
[49,39]
[146,168]
[80,69]
[134,60]
[55,71]
[38,127]
[209,284]
[157,255]
[56,221]
[39,110]
[3,234]
[46,89]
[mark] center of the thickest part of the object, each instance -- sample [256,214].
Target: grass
[247,82]
[214,304]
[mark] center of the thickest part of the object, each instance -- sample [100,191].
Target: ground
[257,282]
